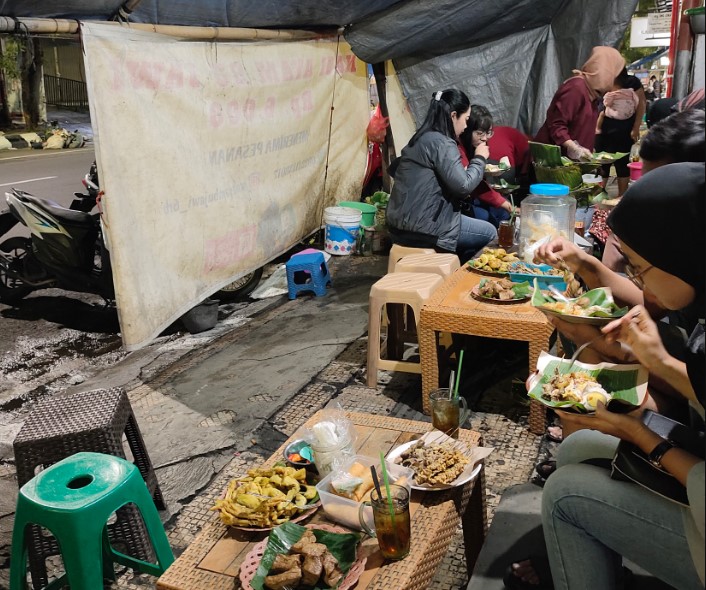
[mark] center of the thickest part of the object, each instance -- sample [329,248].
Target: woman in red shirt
[573,112]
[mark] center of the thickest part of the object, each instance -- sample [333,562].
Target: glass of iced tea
[448,413]
[392,526]
[506,234]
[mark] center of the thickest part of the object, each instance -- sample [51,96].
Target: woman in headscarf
[573,112]
[590,520]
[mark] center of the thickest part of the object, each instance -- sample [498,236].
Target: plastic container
[548,211]
[543,281]
[696,19]
[345,511]
[368,211]
[635,170]
[342,227]
[328,458]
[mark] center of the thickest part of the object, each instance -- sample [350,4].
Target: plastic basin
[368,211]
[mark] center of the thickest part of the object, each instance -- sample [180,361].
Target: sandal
[545,468]
[555,435]
[540,565]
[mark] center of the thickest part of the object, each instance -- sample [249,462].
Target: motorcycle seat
[68,215]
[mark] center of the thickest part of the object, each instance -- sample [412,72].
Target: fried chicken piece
[313,549]
[284,562]
[332,573]
[307,537]
[289,578]
[311,570]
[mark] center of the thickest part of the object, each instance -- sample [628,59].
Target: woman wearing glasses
[591,521]
[431,182]
[488,204]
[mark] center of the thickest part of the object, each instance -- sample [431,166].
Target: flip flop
[540,565]
[554,437]
[545,468]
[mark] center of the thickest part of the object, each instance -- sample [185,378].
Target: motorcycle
[66,248]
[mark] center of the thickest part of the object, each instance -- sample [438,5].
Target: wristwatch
[655,457]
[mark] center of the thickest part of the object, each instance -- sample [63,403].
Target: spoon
[558,295]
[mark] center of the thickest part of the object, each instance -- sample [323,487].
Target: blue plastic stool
[307,272]
[74,499]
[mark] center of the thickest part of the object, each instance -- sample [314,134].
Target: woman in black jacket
[431,182]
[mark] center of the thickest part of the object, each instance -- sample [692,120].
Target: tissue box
[345,511]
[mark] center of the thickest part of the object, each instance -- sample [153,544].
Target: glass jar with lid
[548,211]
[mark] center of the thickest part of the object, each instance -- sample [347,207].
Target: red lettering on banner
[327,64]
[215,115]
[267,71]
[229,249]
[270,105]
[346,64]
[302,104]
[233,110]
[238,73]
[249,110]
[175,79]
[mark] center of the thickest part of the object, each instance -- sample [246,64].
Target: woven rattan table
[212,561]
[452,309]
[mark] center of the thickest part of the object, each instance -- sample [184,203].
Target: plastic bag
[332,440]
[377,127]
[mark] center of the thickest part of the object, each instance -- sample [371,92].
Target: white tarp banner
[215,157]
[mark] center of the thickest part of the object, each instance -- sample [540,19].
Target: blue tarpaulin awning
[648,58]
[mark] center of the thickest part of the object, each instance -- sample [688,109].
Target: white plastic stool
[405,288]
[442,264]
[397,252]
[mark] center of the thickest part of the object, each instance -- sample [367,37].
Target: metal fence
[65,93]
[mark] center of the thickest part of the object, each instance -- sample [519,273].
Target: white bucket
[342,227]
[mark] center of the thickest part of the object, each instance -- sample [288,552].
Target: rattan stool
[307,272]
[397,252]
[74,499]
[89,421]
[442,264]
[406,288]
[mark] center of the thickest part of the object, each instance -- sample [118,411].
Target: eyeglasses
[636,277]
[478,134]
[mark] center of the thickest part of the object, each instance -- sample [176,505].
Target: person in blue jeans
[590,520]
[431,183]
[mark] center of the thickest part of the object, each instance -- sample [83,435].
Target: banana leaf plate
[627,384]
[599,305]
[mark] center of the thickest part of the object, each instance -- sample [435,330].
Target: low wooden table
[452,309]
[212,561]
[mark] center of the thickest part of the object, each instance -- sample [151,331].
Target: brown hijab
[600,70]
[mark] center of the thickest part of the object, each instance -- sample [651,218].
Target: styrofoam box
[345,511]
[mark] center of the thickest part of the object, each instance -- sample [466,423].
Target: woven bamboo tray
[213,560]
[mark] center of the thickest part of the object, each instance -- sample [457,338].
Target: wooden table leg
[429,359]
[475,522]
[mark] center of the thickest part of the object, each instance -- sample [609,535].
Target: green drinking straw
[386,479]
[458,374]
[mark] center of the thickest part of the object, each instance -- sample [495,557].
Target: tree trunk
[31,81]
[5,120]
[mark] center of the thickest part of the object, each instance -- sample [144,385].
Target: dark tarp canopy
[510,55]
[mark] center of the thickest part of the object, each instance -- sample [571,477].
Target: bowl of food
[298,454]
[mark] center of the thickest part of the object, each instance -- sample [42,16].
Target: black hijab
[662,218]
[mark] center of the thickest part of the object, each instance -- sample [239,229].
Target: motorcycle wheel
[13,289]
[240,288]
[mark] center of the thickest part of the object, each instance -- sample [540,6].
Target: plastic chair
[397,252]
[74,499]
[442,264]
[307,272]
[94,421]
[405,288]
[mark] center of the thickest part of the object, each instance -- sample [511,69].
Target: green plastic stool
[74,499]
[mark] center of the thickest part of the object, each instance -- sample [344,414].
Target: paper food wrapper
[475,455]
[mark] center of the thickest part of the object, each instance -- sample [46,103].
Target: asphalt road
[50,174]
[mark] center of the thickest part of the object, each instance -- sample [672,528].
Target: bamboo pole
[54,26]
